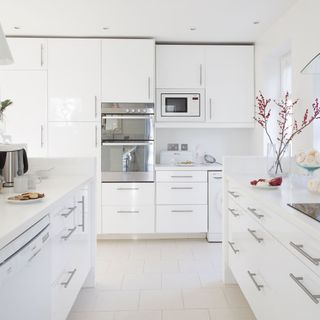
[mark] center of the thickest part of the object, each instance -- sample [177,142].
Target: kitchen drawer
[128,219]
[182,218]
[135,194]
[182,193]
[181,176]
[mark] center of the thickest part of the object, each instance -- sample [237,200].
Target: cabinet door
[180,66]
[27,53]
[73,79]
[72,139]
[26,118]
[128,70]
[230,85]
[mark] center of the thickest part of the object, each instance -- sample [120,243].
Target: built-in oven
[127,146]
[180,105]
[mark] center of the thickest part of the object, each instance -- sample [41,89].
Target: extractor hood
[312,67]
[5,54]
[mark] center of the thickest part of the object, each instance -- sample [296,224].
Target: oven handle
[127,143]
[127,117]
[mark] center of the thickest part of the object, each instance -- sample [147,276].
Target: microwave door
[173,106]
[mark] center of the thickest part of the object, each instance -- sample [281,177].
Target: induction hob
[310,209]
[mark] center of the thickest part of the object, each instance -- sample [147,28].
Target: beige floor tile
[165,266]
[211,279]
[109,281]
[145,281]
[91,316]
[232,314]
[180,280]
[186,315]
[204,298]
[235,297]
[193,265]
[126,266]
[161,299]
[138,315]
[85,301]
[117,300]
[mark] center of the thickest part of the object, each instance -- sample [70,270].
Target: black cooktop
[310,209]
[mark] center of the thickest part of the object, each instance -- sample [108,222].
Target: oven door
[180,105]
[127,162]
[127,127]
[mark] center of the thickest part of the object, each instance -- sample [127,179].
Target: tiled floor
[160,280]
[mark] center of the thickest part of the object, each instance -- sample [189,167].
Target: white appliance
[174,157]
[180,105]
[214,206]
[25,275]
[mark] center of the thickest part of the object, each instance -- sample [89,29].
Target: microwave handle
[127,143]
[200,74]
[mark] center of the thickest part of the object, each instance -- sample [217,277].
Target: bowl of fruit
[267,183]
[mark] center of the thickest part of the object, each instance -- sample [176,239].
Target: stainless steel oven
[127,147]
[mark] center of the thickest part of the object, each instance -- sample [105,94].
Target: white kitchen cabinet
[73,139]
[180,66]
[74,79]
[128,67]
[27,53]
[230,85]
[26,118]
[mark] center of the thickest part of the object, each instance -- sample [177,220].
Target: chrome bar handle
[125,189]
[217,178]
[234,194]
[231,244]
[82,213]
[253,233]
[95,106]
[314,297]
[252,275]
[96,136]
[200,74]
[181,188]
[254,211]
[181,211]
[71,231]
[181,176]
[299,248]
[71,273]
[128,211]
[210,107]
[233,212]
[41,136]
[71,209]
[34,255]
[149,88]
[41,55]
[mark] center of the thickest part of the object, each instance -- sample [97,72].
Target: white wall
[297,31]
[217,142]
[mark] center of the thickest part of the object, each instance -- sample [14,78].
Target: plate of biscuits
[27,197]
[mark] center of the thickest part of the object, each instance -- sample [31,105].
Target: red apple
[254,182]
[275,181]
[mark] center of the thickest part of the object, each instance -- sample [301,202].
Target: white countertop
[277,200]
[196,167]
[16,218]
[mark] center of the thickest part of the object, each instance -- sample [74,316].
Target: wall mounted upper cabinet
[27,53]
[128,67]
[230,85]
[73,79]
[180,66]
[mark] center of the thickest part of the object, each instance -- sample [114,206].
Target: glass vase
[278,163]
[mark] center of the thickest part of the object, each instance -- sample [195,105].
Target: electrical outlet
[184,147]
[173,147]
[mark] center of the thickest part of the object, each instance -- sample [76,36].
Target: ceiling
[165,20]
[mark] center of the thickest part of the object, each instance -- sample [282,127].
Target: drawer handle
[217,178]
[254,211]
[181,188]
[234,194]
[253,233]
[125,189]
[233,212]
[231,244]
[252,275]
[128,211]
[82,225]
[34,255]
[297,280]
[71,274]
[66,215]
[299,248]
[181,211]
[71,231]
[181,176]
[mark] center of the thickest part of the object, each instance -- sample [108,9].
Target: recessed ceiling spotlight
[256,22]
[105,28]
[17,28]
[192,28]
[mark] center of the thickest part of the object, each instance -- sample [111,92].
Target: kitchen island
[270,249]
[65,257]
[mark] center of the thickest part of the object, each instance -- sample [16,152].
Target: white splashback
[217,142]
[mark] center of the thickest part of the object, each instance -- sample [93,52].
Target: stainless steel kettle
[13,162]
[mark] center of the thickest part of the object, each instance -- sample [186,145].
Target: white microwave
[180,105]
